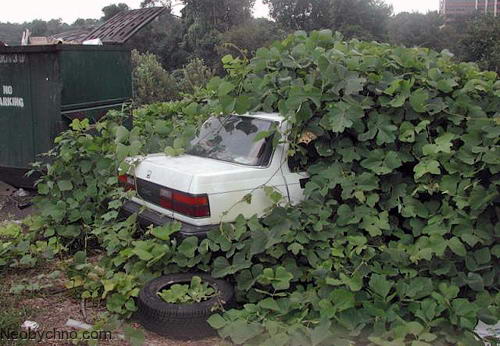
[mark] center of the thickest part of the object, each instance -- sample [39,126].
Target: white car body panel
[225,183]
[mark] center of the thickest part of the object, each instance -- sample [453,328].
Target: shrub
[152,83]
[195,75]
[250,36]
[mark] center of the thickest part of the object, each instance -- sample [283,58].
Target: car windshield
[232,139]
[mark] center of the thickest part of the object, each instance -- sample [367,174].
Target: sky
[70,10]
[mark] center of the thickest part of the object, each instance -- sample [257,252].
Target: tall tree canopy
[206,20]
[481,42]
[111,10]
[417,29]
[355,18]
[218,14]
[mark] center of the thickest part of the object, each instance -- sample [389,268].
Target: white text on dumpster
[9,100]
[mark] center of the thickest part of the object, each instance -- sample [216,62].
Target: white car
[207,185]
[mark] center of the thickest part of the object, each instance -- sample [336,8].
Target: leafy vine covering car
[224,164]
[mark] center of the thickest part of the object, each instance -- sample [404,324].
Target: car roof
[267,116]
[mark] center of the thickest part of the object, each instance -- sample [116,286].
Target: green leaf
[122,134]
[188,246]
[354,85]
[242,331]
[216,321]
[321,333]
[269,304]
[380,285]
[380,127]
[225,88]
[446,85]
[164,232]
[482,256]
[475,281]
[299,95]
[143,254]
[116,302]
[342,299]
[341,116]
[426,166]
[419,99]
[295,248]
[135,336]
[282,278]
[262,134]
[457,247]
[407,132]
[65,185]
[375,224]
[381,162]
[355,282]
[43,189]
[443,145]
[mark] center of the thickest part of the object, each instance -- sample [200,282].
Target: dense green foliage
[472,37]
[400,226]
[208,30]
[420,30]
[195,291]
[396,242]
[366,19]
[481,42]
[152,83]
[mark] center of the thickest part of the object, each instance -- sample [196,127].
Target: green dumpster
[42,88]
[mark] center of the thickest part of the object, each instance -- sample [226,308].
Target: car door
[296,182]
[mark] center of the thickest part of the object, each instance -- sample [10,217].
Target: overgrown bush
[250,36]
[152,83]
[195,75]
[481,42]
[396,241]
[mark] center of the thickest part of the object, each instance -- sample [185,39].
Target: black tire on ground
[180,321]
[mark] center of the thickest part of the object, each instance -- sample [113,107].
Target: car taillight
[127,182]
[185,203]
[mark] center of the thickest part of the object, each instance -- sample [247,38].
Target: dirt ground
[52,307]
[15,204]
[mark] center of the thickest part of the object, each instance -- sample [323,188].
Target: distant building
[454,8]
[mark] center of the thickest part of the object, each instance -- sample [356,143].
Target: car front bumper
[149,217]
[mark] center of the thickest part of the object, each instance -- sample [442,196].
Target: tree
[301,14]
[151,82]
[250,36]
[363,19]
[193,76]
[156,3]
[112,10]
[206,20]
[163,37]
[481,42]
[417,29]
[218,14]
[354,18]
[85,23]
[38,27]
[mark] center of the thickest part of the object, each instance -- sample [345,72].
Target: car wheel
[180,321]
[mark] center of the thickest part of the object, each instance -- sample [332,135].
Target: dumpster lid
[124,25]
[72,36]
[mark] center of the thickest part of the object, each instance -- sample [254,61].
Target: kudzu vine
[396,242]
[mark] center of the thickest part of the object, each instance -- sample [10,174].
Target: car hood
[194,174]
